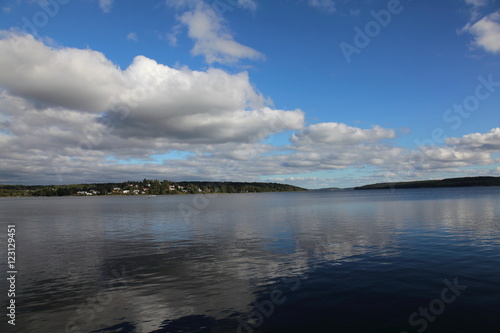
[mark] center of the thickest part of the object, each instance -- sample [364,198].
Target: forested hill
[449,182]
[238,187]
[144,187]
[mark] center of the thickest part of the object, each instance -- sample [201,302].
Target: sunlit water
[354,261]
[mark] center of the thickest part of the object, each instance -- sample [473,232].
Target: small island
[449,182]
[144,187]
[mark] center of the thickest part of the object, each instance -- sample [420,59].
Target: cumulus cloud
[209,30]
[72,113]
[340,134]
[458,153]
[335,146]
[341,157]
[212,38]
[54,145]
[193,106]
[74,108]
[161,102]
[488,142]
[71,78]
[486,32]
[453,157]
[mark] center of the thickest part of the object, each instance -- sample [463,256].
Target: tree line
[449,182]
[144,187]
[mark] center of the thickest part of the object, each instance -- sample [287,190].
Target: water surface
[353,261]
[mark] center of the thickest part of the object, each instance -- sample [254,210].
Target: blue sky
[315,93]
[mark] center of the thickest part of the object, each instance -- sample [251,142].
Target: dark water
[417,260]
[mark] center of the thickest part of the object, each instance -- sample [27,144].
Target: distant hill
[449,182]
[241,187]
[328,189]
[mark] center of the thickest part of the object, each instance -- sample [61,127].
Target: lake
[409,260]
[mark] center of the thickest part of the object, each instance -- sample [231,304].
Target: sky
[313,93]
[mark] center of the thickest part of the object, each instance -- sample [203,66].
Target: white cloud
[132,36]
[178,104]
[489,142]
[335,146]
[449,156]
[105,5]
[197,106]
[467,151]
[76,109]
[322,157]
[209,30]
[325,5]
[71,78]
[72,112]
[212,38]
[486,32]
[340,134]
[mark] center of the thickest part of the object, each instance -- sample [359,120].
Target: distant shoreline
[146,187]
[448,182]
[165,187]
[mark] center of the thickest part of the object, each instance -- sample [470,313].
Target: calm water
[357,261]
